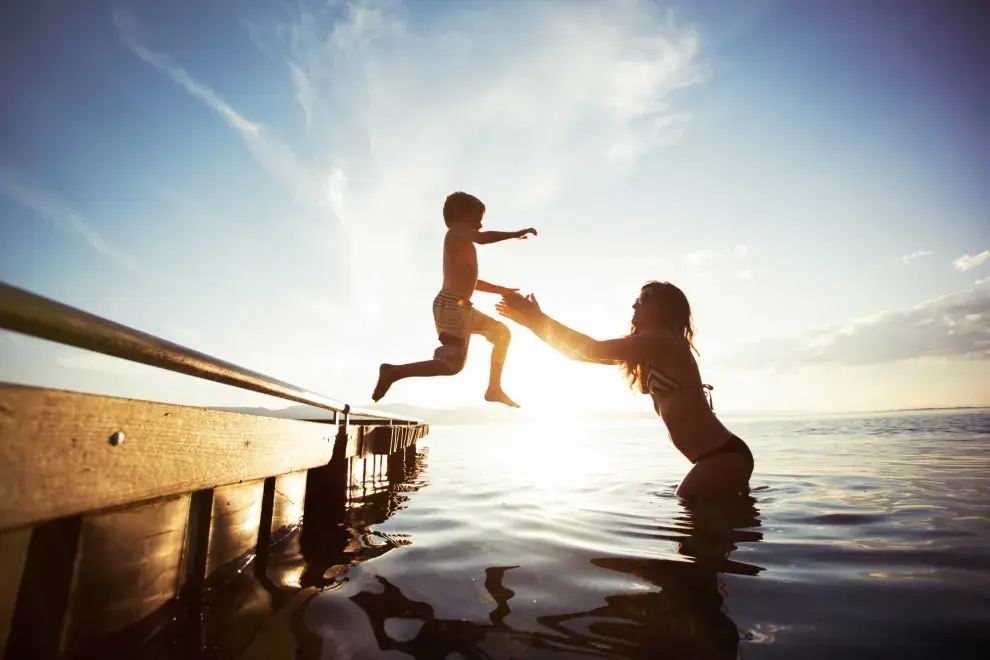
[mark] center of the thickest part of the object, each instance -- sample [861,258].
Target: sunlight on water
[864,537]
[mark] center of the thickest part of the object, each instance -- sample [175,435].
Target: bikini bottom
[734,445]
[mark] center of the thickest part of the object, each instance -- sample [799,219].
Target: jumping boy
[455,317]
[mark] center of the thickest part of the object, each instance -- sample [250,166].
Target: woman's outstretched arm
[571,343]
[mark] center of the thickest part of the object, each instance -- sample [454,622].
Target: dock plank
[57,460]
[13,553]
[126,569]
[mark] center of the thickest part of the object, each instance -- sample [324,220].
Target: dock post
[39,621]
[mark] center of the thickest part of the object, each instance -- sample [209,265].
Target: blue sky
[263,181]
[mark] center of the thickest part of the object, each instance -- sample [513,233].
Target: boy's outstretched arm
[487,287]
[487,237]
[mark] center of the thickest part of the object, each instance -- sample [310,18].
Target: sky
[263,182]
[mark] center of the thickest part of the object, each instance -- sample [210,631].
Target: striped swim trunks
[452,316]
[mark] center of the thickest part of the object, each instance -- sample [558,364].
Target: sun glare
[549,461]
[547,380]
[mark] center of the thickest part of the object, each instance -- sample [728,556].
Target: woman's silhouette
[658,359]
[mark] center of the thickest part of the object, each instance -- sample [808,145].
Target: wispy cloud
[966,261]
[512,100]
[271,153]
[517,102]
[129,28]
[52,208]
[953,326]
[914,256]
[305,94]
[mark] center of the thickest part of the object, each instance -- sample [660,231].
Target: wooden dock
[138,529]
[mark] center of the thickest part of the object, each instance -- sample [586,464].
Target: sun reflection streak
[554,461]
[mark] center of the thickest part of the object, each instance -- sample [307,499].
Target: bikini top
[659,385]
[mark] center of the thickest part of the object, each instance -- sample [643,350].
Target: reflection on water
[569,543]
[329,547]
[683,615]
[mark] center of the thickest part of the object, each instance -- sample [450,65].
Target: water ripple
[863,537]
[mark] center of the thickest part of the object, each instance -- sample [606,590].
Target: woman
[657,359]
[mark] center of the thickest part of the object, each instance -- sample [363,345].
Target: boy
[455,317]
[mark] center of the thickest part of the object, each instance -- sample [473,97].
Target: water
[865,537]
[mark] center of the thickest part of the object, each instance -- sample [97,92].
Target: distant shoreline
[474,415]
[934,409]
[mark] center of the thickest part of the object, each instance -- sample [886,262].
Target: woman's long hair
[673,313]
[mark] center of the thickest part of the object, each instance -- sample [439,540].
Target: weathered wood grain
[127,568]
[290,493]
[283,561]
[13,553]
[56,458]
[37,629]
[234,529]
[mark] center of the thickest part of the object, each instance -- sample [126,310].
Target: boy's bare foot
[385,380]
[498,396]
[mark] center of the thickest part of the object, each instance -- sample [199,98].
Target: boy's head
[461,207]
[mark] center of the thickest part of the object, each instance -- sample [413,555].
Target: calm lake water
[866,537]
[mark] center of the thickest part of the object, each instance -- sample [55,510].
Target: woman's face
[645,311]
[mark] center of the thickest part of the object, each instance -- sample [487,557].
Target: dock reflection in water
[317,556]
[321,528]
[329,546]
[681,615]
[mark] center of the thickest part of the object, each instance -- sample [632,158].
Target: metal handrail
[30,314]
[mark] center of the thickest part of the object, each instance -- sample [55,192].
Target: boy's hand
[523,233]
[488,287]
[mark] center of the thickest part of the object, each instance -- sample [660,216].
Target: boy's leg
[453,326]
[498,334]
[448,360]
[389,374]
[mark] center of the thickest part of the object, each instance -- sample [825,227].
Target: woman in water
[657,359]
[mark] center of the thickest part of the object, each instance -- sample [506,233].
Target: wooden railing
[115,512]
[34,315]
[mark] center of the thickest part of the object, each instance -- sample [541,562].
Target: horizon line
[585,412]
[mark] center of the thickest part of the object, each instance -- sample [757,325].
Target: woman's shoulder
[666,338]
[673,356]
[666,348]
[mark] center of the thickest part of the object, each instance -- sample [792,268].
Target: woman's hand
[524,310]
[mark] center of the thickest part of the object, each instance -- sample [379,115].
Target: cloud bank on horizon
[956,326]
